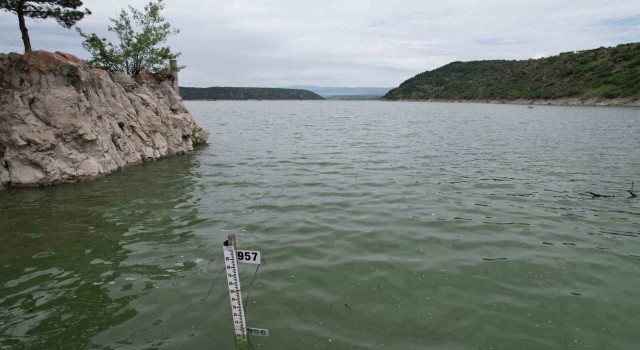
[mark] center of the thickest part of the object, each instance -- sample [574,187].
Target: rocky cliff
[61,121]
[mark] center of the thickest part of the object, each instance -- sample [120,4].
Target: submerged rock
[61,121]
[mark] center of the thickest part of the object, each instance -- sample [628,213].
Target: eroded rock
[61,121]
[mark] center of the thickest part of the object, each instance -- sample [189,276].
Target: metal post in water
[232,240]
[173,67]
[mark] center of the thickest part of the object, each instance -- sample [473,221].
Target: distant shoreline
[616,102]
[245,93]
[558,102]
[248,99]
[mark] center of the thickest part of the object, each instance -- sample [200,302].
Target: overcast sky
[277,43]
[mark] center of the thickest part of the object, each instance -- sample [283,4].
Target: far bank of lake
[614,102]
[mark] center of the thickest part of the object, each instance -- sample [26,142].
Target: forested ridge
[603,73]
[246,93]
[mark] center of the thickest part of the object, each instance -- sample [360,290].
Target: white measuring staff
[231,258]
[233,279]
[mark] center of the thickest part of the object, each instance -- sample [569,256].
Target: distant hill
[246,93]
[603,73]
[353,97]
[326,91]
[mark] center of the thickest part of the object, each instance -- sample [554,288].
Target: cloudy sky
[279,43]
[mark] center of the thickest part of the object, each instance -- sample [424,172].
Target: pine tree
[65,12]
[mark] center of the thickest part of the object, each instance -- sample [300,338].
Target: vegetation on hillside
[604,73]
[246,93]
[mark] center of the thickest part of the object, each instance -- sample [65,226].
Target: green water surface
[383,226]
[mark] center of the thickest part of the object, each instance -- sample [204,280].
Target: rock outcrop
[61,121]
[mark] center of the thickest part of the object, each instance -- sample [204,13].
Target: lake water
[384,226]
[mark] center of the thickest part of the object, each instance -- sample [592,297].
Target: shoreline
[522,102]
[593,102]
[211,100]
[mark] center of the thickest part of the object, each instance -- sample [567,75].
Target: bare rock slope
[61,121]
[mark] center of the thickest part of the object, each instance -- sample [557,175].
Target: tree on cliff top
[140,35]
[66,12]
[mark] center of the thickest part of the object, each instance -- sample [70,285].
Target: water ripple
[383,225]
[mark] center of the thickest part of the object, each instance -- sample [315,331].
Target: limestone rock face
[61,121]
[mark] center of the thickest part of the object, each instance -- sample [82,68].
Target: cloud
[625,22]
[351,43]
[621,28]
[497,41]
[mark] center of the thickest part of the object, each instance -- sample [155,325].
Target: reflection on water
[385,225]
[75,257]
